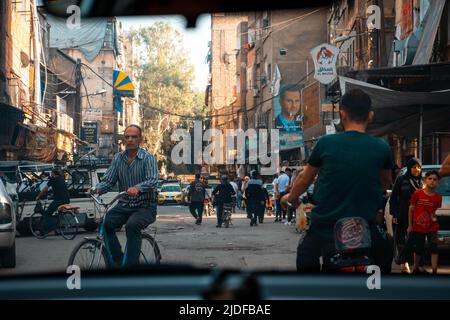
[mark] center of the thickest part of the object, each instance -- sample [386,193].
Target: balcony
[62,121]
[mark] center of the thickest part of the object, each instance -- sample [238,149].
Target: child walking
[422,222]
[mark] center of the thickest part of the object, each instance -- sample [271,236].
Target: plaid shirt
[142,173]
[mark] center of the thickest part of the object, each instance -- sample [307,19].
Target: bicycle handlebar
[100,201]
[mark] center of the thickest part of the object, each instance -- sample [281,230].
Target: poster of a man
[289,118]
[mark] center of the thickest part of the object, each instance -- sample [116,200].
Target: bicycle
[66,221]
[94,254]
[226,218]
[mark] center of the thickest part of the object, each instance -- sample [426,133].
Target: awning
[122,84]
[123,87]
[399,112]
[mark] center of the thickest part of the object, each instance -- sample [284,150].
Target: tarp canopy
[398,112]
[89,36]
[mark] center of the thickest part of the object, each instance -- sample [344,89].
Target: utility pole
[77,117]
[116,126]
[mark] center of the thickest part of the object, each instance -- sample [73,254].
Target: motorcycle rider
[224,194]
[353,170]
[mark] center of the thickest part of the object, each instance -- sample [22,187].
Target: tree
[166,80]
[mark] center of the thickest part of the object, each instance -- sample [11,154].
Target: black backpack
[198,190]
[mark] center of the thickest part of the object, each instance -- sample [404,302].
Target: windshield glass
[171,189]
[158,100]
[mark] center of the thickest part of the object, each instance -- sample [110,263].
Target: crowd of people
[352,172]
[244,193]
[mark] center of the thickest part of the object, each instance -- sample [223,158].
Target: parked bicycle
[94,254]
[66,221]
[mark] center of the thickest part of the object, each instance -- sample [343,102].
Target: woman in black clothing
[223,194]
[404,186]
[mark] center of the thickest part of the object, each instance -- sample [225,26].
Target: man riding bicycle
[60,196]
[353,170]
[136,171]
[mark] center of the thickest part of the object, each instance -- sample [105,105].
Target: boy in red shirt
[422,220]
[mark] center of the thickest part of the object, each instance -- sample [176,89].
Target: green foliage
[166,79]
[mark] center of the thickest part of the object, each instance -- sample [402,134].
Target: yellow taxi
[170,193]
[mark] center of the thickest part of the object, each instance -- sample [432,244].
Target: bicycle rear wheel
[150,253]
[89,254]
[36,224]
[68,225]
[227,215]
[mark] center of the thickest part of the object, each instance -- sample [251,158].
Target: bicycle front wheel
[36,224]
[68,225]
[89,254]
[150,253]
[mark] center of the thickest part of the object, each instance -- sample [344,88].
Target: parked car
[443,213]
[170,194]
[185,190]
[7,229]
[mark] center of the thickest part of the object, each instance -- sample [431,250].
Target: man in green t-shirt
[353,171]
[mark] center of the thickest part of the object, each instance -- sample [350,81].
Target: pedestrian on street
[404,187]
[236,189]
[291,210]
[256,199]
[283,183]
[276,194]
[342,189]
[223,194]
[136,172]
[196,197]
[244,200]
[60,196]
[422,222]
[239,193]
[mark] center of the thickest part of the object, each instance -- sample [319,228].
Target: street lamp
[96,93]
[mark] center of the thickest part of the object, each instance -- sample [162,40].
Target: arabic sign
[89,132]
[325,57]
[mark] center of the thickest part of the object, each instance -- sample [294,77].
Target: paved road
[269,246]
